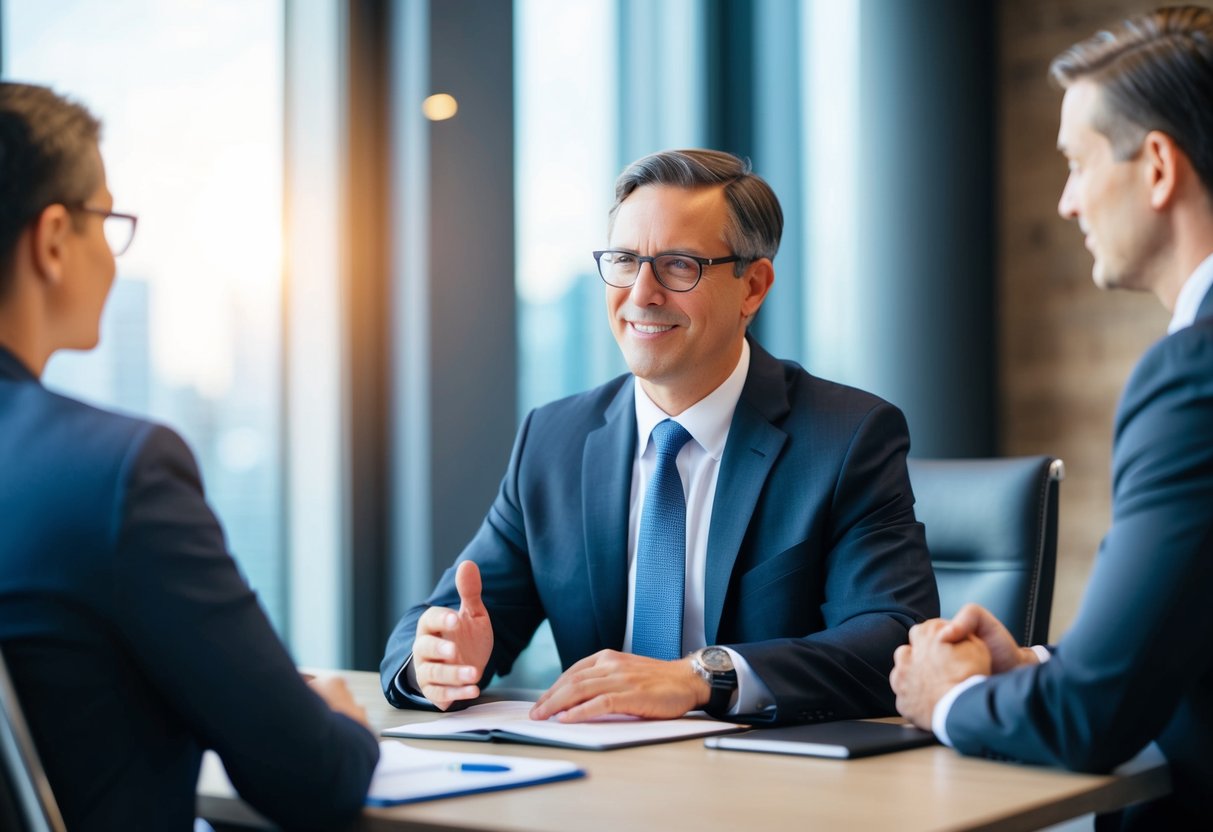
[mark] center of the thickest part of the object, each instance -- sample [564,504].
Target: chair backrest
[26,801]
[991,528]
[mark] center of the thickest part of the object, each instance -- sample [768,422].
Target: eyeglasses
[119,229]
[675,271]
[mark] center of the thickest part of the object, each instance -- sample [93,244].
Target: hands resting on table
[452,648]
[943,653]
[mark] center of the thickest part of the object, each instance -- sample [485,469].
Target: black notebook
[842,740]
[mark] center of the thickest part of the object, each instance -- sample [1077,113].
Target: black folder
[842,740]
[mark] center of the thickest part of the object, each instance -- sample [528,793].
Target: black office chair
[26,801]
[992,531]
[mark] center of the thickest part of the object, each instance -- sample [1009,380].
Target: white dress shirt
[698,465]
[1190,295]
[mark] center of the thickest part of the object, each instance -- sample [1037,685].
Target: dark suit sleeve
[878,583]
[200,635]
[1143,639]
[499,549]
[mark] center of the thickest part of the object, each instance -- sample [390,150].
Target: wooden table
[683,785]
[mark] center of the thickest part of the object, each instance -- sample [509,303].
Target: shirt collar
[1191,294]
[707,420]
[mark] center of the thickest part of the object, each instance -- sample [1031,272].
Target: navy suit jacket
[816,566]
[1137,665]
[133,641]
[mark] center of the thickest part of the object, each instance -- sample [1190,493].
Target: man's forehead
[1077,108]
[679,192]
[681,218]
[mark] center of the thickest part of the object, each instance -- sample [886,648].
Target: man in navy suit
[774,540]
[131,638]
[1137,665]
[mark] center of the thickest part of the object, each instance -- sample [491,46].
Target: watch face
[716,659]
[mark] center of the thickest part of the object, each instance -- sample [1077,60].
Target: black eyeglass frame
[703,262]
[105,215]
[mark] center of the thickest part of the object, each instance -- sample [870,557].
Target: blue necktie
[661,552]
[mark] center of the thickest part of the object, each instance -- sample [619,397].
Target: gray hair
[755,218]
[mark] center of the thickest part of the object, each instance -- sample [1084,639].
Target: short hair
[755,219]
[45,158]
[1154,72]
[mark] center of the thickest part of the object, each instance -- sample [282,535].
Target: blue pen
[484,767]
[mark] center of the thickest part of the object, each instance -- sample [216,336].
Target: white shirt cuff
[753,696]
[939,717]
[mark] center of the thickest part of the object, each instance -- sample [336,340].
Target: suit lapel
[12,368]
[606,488]
[752,448]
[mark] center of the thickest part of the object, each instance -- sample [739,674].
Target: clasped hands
[943,653]
[452,648]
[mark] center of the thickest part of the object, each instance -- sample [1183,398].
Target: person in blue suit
[1137,665]
[132,640]
[715,501]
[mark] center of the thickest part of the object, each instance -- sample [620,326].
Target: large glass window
[566,140]
[567,130]
[191,99]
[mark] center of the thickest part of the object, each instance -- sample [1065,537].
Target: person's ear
[49,234]
[758,278]
[1163,159]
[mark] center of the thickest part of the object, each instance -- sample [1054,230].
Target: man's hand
[977,621]
[451,649]
[610,682]
[338,697]
[929,666]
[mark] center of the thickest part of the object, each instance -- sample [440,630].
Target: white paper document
[409,775]
[510,721]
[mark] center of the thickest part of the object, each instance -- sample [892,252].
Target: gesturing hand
[451,648]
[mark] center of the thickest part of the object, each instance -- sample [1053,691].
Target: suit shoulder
[585,408]
[1179,364]
[93,439]
[86,461]
[1190,347]
[810,394]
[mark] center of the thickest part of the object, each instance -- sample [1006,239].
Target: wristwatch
[715,666]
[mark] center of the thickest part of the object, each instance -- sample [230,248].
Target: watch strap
[723,684]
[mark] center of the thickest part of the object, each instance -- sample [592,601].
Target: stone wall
[1066,347]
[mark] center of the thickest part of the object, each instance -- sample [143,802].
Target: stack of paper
[511,721]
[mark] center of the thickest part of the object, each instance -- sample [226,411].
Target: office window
[566,126]
[566,149]
[191,99]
